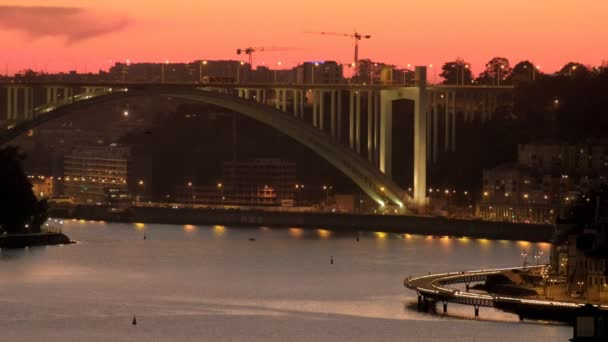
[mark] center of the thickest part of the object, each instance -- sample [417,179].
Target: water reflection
[323,233]
[219,231]
[296,232]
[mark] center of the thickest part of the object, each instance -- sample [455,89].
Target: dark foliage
[20,211]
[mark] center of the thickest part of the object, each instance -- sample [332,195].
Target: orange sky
[548,32]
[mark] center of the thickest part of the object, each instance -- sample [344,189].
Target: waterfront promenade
[434,288]
[338,222]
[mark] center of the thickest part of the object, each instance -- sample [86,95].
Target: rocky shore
[30,240]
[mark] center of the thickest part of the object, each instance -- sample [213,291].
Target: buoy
[331,260]
[134,320]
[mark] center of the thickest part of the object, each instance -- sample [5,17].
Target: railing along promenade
[432,288]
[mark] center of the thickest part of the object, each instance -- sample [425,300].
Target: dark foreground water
[202,283]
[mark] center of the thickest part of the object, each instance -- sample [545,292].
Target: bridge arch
[378,186]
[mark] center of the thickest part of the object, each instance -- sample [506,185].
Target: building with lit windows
[89,171]
[545,178]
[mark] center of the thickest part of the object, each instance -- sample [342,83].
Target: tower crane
[250,50]
[357,36]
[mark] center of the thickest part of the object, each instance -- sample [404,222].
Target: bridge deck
[434,287]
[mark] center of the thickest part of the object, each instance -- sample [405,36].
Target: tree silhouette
[457,72]
[497,72]
[575,70]
[20,211]
[525,71]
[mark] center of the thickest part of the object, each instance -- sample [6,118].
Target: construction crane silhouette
[357,36]
[250,50]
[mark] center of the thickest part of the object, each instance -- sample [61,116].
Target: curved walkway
[433,287]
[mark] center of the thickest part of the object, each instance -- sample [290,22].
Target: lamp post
[238,72]
[313,70]
[524,255]
[498,78]
[162,69]
[220,186]
[275,71]
[191,193]
[140,189]
[200,71]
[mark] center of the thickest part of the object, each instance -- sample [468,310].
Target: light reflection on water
[276,282]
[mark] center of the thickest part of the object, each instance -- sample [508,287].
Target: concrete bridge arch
[376,184]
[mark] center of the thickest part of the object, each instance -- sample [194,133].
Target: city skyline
[94,36]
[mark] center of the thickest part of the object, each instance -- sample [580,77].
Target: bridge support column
[420,299]
[386,132]
[284,99]
[302,104]
[351,120]
[314,108]
[321,109]
[420,157]
[358,122]
[264,96]
[435,126]
[476,312]
[339,118]
[28,103]
[258,95]
[9,103]
[370,123]
[467,286]
[445,308]
[277,98]
[376,128]
[333,113]
[296,106]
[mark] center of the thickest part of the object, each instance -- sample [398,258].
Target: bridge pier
[351,120]
[296,105]
[370,128]
[321,109]
[445,308]
[420,300]
[19,107]
[476,311]
[284,100]
[358,121]
[315,109]
[332,120]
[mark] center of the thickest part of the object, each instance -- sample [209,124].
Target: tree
[574,70]
[456,72]
[497,72]
[525,71]
[20,211]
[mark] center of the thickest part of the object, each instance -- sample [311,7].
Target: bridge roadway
[433,288]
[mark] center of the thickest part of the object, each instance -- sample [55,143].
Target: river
[212,283]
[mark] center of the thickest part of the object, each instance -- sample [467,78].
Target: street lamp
[524,255]
[200,71]
[162,68]
[502,66]
[313,70]
[275,71]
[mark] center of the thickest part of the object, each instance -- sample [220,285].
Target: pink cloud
[72,23]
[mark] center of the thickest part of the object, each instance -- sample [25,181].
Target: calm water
[201,283]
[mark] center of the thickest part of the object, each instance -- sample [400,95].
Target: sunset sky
[59,35]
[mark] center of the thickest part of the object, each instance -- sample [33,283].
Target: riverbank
[338,222]
[31,240]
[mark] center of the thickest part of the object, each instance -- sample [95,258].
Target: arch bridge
[328,119]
